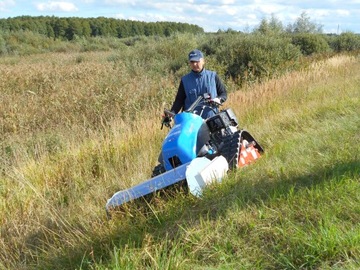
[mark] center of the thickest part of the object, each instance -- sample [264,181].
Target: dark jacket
[195,84]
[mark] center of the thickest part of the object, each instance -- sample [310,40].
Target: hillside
[71,137]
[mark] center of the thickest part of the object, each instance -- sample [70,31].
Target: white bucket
[202,172]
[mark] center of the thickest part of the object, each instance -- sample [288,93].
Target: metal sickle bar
[149,186]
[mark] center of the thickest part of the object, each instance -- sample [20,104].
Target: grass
[72,137]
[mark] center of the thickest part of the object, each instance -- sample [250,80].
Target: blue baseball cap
[195,55]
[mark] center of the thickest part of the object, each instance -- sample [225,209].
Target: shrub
[252,57]
[347,41]
[310,43]
[2,45]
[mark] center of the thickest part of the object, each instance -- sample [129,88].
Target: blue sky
[211,15]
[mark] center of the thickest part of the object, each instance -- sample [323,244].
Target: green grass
[298,207]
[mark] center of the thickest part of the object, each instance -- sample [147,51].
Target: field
[77,127]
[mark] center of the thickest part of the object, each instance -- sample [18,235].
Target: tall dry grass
[74,128]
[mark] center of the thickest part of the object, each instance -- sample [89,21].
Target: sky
[212,15]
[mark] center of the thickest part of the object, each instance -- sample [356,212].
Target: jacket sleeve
[220,89]
[179,101]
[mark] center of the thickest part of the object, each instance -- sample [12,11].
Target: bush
[311,43]
[347,41]
[26,43]
[252,57]
[2,45]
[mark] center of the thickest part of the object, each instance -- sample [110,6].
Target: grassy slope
[297,207]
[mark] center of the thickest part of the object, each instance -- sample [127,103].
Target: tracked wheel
[231,148]
[158,169]
[240,149]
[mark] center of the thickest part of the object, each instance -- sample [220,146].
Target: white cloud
[342,12]
[229,10]
[56,6]
[222,14]
[227,2]
[4,5]
[126,2]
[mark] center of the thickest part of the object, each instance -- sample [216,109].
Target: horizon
[212,16]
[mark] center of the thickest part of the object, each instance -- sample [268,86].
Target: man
[198,82]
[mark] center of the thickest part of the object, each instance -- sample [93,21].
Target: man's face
[197,66]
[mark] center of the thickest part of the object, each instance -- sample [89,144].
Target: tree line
[71,27]
[270,41]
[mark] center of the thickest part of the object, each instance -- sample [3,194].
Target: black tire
[158,169]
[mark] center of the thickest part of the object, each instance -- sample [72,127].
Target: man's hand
[166,120]
[216,101]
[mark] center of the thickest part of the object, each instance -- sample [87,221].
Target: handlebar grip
[169,113]
[192,107]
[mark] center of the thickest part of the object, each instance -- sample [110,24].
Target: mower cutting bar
[149,186]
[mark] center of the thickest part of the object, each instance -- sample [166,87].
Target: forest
[69,28]
[26,35]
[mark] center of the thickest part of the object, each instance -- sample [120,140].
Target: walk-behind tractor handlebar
[198,107]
